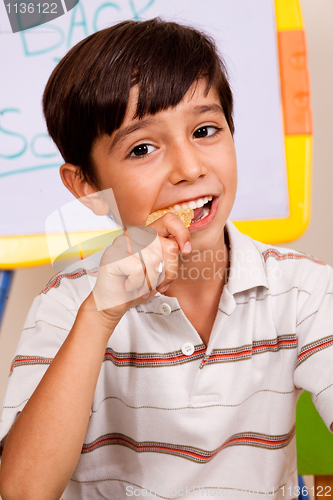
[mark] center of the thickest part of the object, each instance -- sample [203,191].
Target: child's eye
[206,132]
[142,150]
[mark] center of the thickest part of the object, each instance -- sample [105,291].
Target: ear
[75,182]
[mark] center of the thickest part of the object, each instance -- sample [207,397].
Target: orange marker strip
[295,88]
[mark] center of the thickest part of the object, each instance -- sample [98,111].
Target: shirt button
[188,349]
[165,309]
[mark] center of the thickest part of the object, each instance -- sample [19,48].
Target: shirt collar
[247,266]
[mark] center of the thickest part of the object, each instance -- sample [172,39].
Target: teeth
[194,204]
[185,211]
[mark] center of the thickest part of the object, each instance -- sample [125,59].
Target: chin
[201,242]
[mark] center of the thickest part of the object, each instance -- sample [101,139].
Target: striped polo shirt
[172,418]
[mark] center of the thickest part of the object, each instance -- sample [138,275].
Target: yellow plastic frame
[32,250]
[298,160]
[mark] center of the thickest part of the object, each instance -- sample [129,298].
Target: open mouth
[202,212]
[191,213]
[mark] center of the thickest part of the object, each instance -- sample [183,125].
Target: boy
[188,389]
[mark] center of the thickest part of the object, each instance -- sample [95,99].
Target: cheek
[231,170]
[227,172]
[135,205]
[233,174]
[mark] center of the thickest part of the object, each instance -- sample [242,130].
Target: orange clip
[295,88]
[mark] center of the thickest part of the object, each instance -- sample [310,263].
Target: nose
[186,163]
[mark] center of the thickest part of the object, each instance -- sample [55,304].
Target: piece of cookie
[185,215]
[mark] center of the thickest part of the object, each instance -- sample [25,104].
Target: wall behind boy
[317,240]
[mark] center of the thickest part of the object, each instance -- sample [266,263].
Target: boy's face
[175,156]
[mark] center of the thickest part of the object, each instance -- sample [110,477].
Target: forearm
[44,444]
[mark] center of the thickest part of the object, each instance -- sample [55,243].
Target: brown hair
[87,93]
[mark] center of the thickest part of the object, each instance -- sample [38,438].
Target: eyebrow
[148,121]
[124,132]
[215,108]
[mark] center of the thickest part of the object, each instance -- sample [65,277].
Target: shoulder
[74,283]
[277,268]
[53,311]
[292,267]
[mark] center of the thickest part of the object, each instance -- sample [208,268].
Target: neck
[202,274]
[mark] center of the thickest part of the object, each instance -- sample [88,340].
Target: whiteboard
[245,32]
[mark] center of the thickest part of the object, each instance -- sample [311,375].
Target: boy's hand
[131,268]
[174,239]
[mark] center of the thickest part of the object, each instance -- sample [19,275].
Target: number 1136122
[30,8]
[319,491]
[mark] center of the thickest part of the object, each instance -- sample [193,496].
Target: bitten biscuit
[185,215]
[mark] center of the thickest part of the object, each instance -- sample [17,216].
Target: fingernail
[187,247]
[146,295]
[164,288]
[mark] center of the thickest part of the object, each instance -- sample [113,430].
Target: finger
[153,267]
[141,271]
[132,242]
[171,226]
[147,243]
[136,276]
[170,262]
